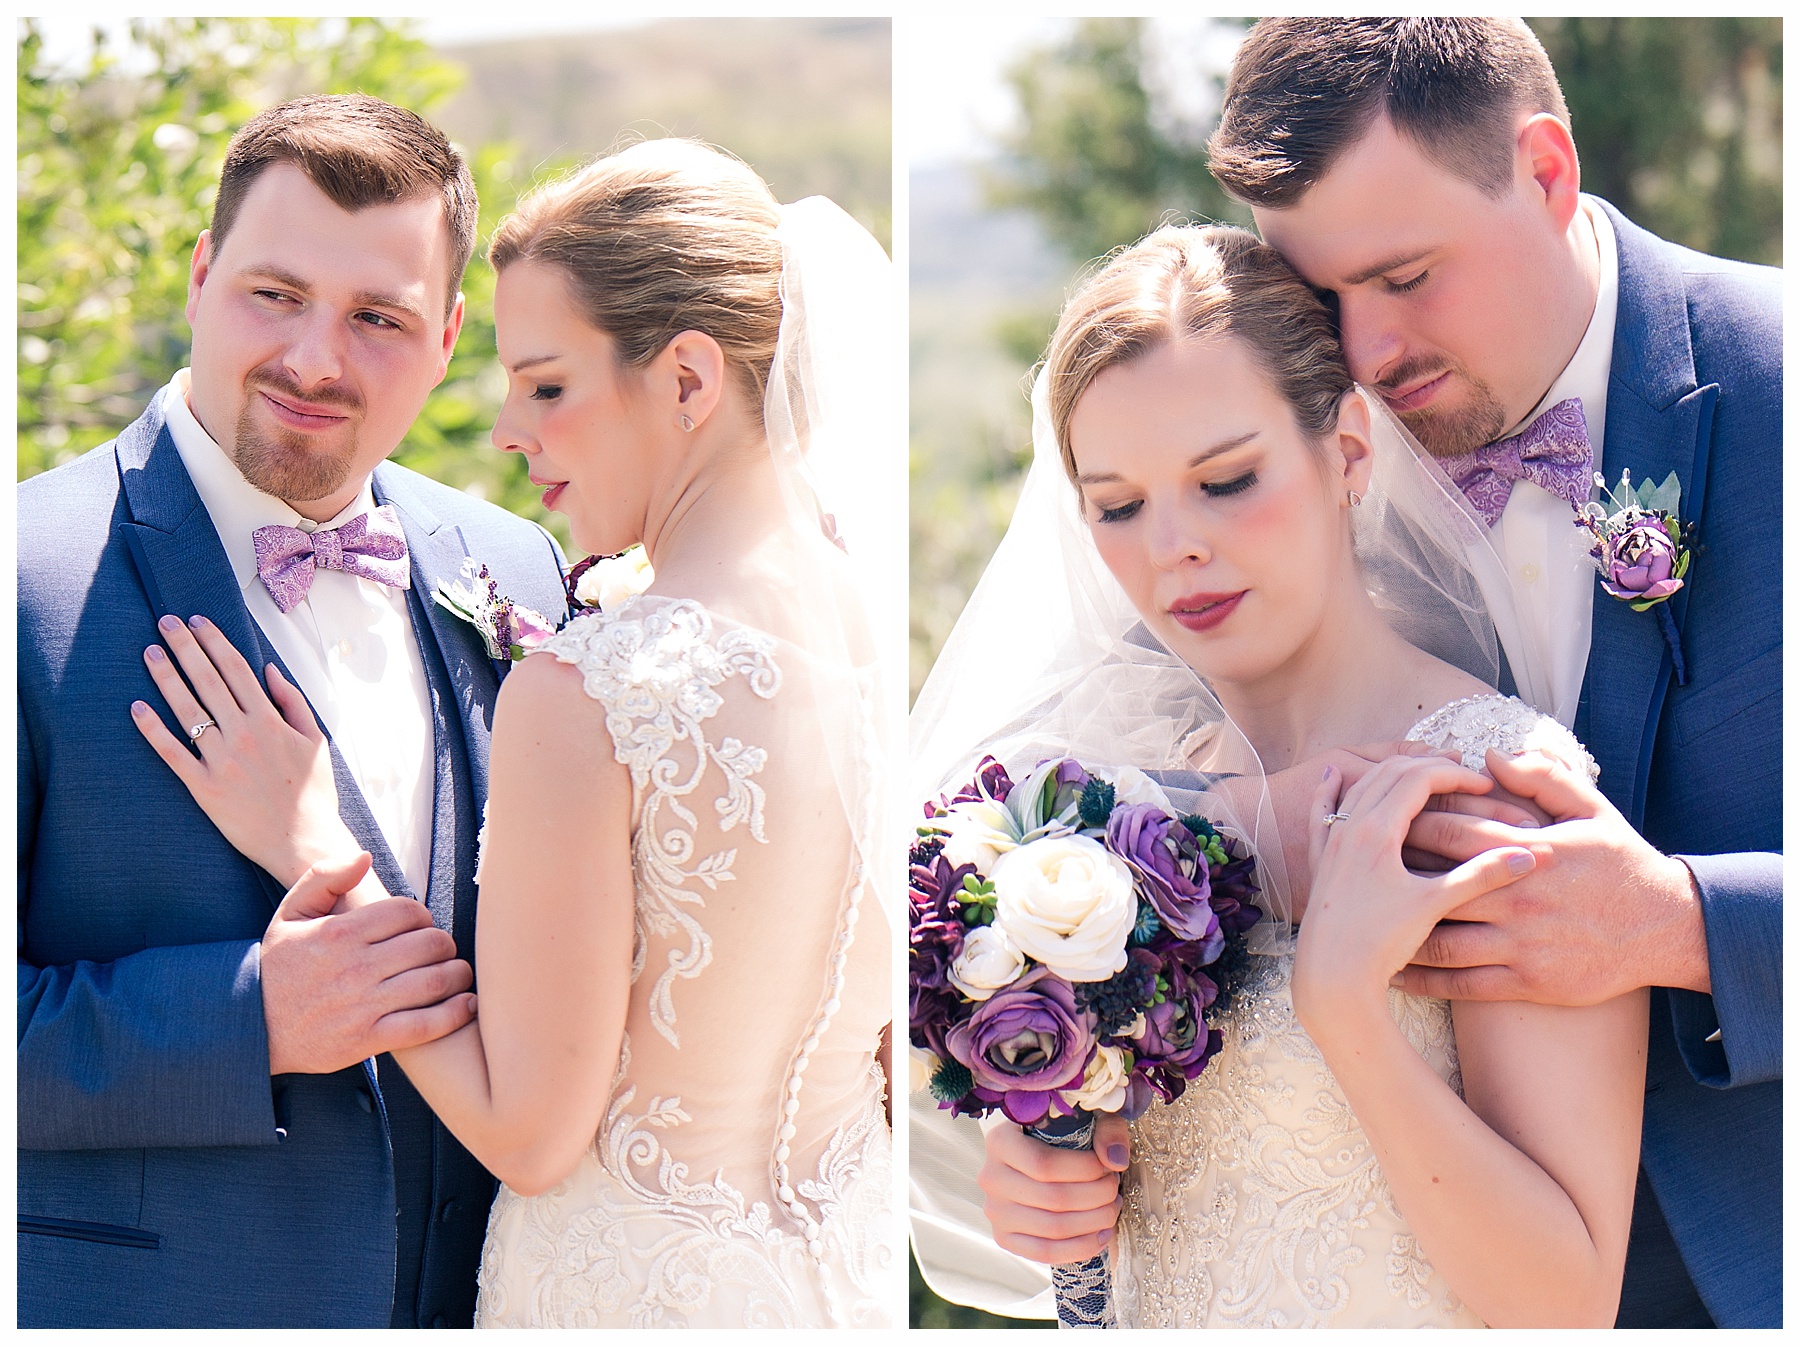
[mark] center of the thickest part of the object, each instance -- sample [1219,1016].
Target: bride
[1237,521]
[682,948]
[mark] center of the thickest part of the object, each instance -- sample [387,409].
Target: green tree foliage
[1091,157]
[119,159]
[1678,122]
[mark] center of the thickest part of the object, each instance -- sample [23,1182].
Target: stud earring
[1355,499]
[687,423]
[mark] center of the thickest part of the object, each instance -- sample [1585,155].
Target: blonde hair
[1198,283]
[665,237]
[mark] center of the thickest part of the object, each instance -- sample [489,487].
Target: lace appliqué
[657,670]
[1476,723]
[630,1238]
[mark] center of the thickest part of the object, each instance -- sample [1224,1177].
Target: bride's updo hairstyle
[1188,282]
[664,237]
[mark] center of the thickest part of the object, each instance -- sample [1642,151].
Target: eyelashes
[1215,489]
[1406,286]
[547,392]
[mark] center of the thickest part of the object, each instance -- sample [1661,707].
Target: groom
[210,1131]
[1423,171]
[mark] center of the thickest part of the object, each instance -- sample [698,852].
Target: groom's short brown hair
[360,152]
[1302,91]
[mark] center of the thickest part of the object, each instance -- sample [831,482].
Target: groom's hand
[1052,1205]
[1602,913]
[340,986]
[1292,795]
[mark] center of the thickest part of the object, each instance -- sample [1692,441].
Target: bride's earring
[1355,499]
[687,423]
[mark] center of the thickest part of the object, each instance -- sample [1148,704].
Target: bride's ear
[1352,439]
[689,379]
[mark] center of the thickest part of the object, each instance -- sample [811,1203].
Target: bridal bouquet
[1058,932]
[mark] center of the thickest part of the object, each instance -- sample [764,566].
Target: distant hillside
[806,102]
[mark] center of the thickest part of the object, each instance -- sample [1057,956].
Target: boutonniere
[508,629]
[1640,549]
[602,582]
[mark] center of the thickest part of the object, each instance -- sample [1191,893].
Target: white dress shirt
[1545,555]
[349,644]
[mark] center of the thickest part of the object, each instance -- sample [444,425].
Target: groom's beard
[1445,433]
[283,463]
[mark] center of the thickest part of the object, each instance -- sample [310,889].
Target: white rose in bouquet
[1103,1084]
[986,964]
[980,832]
[1067,902]
[608,583]
[1131,786]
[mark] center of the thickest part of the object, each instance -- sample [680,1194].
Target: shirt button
[343,649]
[1528,572]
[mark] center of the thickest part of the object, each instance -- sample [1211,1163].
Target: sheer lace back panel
[744,1153]
[1255,1199]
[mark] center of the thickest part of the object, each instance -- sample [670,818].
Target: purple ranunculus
[1024,1043]
[1175,1044]
[934,938]
[991,782]
[1171,872]
[1233,887]
[1640,563]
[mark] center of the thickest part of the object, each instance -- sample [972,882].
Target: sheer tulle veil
[833,412]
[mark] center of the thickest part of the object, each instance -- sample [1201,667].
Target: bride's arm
[525,1086]
[1521,1196]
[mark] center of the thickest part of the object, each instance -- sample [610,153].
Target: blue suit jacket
[1696,390]
[164,1178]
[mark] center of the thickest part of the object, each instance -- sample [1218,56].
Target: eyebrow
[1210,451]
[532,362]
[361,299]
[1392,262]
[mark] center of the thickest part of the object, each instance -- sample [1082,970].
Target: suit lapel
[1658,421]
[462,684]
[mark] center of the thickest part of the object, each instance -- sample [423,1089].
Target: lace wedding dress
[1255,1199]
[741,1175]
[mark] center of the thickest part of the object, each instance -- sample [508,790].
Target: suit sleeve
[1740,901]
[165,1047]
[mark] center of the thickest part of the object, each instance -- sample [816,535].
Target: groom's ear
[197,269]
[1547,156]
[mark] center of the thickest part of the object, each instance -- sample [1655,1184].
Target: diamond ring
[1331,818]
[201,728]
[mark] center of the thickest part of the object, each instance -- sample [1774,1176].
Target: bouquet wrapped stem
[1083,1289]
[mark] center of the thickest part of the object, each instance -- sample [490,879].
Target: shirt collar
[237,508]
[1586,374]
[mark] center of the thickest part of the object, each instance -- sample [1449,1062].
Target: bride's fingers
[1050,1251]
[1401,788]
[291,702]
[231,666]
[1003,1184]
[174,689]
[187,768]
[1023,1221]
[1469,880]
[1325,803]
[204,678]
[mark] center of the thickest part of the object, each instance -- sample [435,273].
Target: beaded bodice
[741,1173]
[1255,1200]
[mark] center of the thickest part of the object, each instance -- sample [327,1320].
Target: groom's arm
[1732,1036]
[165,1047]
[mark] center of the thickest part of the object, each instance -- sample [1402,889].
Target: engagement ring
[1331,818]
[199,729]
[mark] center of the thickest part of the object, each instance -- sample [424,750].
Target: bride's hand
[1369,912]
[263,774]
[1050,1205]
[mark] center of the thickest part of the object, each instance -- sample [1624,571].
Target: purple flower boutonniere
[509,630]
[1640,549]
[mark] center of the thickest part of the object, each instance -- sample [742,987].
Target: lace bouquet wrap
[1058,935]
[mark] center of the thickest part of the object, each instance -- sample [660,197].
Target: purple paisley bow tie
[371,546]
[1553,452]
